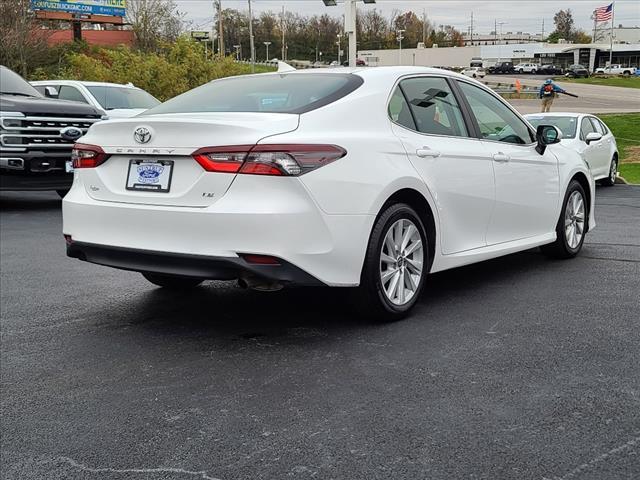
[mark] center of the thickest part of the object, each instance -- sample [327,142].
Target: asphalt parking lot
[521,367]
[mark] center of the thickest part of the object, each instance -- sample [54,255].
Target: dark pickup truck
[36,136]
[502,67]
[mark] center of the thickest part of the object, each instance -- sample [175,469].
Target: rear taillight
[87,156]
[276,160]
[222,159]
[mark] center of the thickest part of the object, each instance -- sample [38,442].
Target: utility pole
[350,30]
[613,18]
[400,37]
[220,29]
[471,29]
[500,42]
[282,28]
[424,26]
[495,32]
[542,39]
[251,45]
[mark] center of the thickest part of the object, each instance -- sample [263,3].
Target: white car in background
[615,70]
[527,68]
[116,100]
[474,72]
[587,135]
[368,178]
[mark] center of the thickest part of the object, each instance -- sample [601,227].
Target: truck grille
[17,134]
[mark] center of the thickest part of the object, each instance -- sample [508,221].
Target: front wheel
[533,72]
[572,224]
[613,173]
[172,282]
[521,71]
[395,265]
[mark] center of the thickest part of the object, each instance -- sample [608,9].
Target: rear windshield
[567,125]
[270,93]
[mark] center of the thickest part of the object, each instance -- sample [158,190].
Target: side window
[434,107]
[496,121]
[597,126]
[399,110]
[71,93]
[586,127]
[605,130]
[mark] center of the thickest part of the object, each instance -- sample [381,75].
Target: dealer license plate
[150,176]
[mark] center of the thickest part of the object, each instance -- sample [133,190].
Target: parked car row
[39,123]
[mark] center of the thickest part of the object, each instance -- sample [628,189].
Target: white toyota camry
[369,178]
[587,135]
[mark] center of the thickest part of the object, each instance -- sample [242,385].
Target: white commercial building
[589,55]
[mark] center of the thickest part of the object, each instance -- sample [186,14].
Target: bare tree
[21,39]
[154,21]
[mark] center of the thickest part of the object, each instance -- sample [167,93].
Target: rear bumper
[257,215]
[219,268]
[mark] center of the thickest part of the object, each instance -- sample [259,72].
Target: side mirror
[51,92]
[593,137]
[547,135]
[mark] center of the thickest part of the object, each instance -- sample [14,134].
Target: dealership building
[591,55]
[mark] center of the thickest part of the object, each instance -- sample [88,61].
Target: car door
[604,148]
[594,152]
[428,120]
[527,183]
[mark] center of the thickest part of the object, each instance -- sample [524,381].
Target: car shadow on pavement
[18,201]
[220,309]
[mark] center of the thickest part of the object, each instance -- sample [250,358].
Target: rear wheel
[395,265]
[613,173]
[533,72]
[173,282]
[572,224]
[521,70]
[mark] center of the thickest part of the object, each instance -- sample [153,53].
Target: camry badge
[142,135]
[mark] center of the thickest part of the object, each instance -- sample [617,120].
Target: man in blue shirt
[548,91]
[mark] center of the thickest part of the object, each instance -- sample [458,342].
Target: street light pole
[266,44]
[251,45]
[349,26]
[339,44]
[400,38]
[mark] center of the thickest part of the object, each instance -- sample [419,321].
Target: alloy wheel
[401,262]
[614,171]
[574,220]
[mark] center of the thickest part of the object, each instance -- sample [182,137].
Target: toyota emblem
[142,135]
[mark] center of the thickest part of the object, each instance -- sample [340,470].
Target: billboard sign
[87,7]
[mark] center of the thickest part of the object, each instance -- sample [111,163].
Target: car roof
[82,82]
[557,114]
[391,72]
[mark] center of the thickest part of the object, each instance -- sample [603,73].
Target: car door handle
[427,152]
[501,157]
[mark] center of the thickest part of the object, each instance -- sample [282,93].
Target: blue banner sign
[88,7]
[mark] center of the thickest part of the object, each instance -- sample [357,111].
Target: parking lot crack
[85,468]
[600,458]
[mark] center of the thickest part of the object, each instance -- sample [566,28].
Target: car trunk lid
[150,158]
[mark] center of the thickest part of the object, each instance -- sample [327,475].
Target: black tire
[62,193]
[610,181]
[371,299]
[533,72]
[474,75]
[561,248]
[521,71]
[172,282]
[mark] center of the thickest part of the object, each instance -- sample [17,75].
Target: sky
[517,15]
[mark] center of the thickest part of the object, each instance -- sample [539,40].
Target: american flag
[604,14]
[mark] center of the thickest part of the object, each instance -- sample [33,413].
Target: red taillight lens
[87,156]
[222,159]
[275,160]
[260,259]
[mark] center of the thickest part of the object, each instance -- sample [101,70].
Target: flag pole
[613,16]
